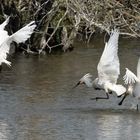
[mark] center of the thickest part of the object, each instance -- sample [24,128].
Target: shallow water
[37,102]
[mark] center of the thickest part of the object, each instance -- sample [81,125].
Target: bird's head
[86,79]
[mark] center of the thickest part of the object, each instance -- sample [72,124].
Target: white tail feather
[118,89]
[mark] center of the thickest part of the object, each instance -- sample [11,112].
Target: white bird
[133,83]
[108,69]
[19,37]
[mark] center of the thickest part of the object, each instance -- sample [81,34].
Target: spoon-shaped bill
[76,85]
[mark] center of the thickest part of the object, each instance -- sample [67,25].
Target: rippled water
[37,102]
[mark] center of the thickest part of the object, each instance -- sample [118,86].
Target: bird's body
[3,33]
[19,37]
[108,69]
[133,82]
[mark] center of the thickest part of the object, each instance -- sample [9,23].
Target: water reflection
[4,130]
[37,103]
[113,126]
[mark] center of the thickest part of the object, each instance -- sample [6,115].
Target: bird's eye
[82,83]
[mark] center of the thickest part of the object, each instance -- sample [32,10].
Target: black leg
[120,103]
[96,98]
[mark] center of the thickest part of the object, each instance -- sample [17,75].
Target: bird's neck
[95,83]
[89,83]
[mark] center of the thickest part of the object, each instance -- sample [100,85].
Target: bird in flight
[108,70]
[19,37]
[133,83]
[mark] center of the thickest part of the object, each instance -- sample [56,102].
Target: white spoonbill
[19,37]
[133,83]
[108,70]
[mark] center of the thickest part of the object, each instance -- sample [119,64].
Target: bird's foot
[120,103]
[97,88]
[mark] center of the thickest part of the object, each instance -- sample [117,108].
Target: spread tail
[118,89]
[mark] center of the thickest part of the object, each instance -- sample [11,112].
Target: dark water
[37,103]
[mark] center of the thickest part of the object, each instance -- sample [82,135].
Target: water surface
[37,102]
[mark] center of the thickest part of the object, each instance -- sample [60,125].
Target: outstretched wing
[20,36]
[109,66]
[130,77]
[24,33]
[87,79]
[2,26]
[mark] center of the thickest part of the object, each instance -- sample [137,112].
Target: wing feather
[87,79]
[109,66]
[130,77]
[20,36]
[24,33]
